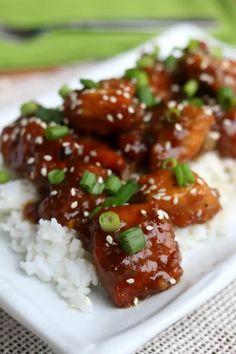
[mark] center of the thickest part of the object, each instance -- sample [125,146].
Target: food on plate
[113,172]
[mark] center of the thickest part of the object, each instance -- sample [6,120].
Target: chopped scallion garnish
[4,177]
[98,188]
[57,132]
[94,212]
[183,175]
[64,91]
[49,115]
[196,101]
[226,97]
[169,163]
[132,240]
[109,221]
[139,76]
[89,84]
[172,115]
[191,87]
[146,96]
[112,184]
[29,108]
[146,61]
[88,181]
[171,63]
[56,176]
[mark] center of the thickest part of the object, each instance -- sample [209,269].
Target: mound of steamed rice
[53,254]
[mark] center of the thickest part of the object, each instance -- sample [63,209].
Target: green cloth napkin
[62,47]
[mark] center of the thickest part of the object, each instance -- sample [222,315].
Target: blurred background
[45,43]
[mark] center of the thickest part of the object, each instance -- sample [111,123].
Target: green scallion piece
[226,97]
[88,181]
[196,101]
[146,96]
[29,108]
[171,63]
[112,184]
[183,175]
[94,212]
[49,115]
[132,240]
[4,177]
[56,176]
[193,45]
[109,221]
[146,61]
[98,188]
[169,163]
[139,76]
[126,192]
[191,87]
[57,132]
[64,91]
[172,115]
[89,84]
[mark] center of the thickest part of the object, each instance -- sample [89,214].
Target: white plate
[209,268]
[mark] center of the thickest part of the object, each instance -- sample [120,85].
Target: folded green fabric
[62,47]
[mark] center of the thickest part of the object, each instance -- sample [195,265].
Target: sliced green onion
[94,212]
[132,240]
[169,164]
[193,45]
[29,108]
[216,52]
[171,63]
[112,184]
[196,101]
[50,115]
[89,84]
[126,192]
[183,175]
[146,96]
[139,76]
[56,176]
[226,97]
[54,133]
[155,52]
[88,181]
[109,221]
[98,188]
[191,87]
[4,177]
[146,61]
[172,115]
[64,91]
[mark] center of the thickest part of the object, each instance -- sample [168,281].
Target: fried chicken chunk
[155,268]
[226,126]
[194,204]
[179,132]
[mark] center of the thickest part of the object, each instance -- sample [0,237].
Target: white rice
[53,254]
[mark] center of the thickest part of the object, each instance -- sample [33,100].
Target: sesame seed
[72,169]
[119,116]
[98,164]
[24,122]
[167,198]
[109,172]
[178,127]
[38,140]
[175,200]
[206,78]
[208,111]
[54,193]
[199,213]
[5,137]
[162,214]
[30,160]
[227,122]
[113,99]
[109,239]
[175,88]
[172,104]
[44,171]
[74,205]
[86,213]
[131,110]
[28,137]
[73,192]
[110,118]
[86,159]
[147,118]
[149,227]
[100,179]
[143,212]
[126,95]
[153,188]
[105,98]
[47,157]
[193,191]
[199,181]
[214,135]
[172,281]
[168,145]
[119,92]
[93,153]
[204,65]
[135,301]
[130,281]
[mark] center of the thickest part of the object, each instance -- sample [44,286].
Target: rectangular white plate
[208,268]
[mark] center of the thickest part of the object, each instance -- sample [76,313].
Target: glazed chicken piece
[130,277]
[211,72]
[94,151]
[193,204]
[160,81]
[70,204]
[103,111]
[179,132]
[226,127]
